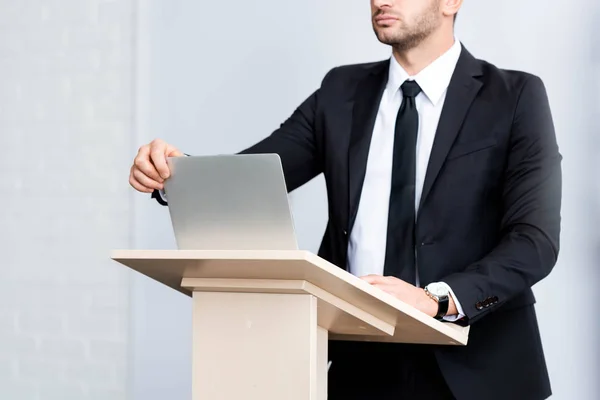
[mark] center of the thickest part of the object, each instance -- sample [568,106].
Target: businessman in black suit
[443,178]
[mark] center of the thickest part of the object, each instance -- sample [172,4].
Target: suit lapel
[461,93]
[366,103]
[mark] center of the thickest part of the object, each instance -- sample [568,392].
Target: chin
[385,37]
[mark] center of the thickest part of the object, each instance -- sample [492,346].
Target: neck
[416,59]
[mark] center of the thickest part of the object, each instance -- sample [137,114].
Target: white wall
[215,79]
[65,122]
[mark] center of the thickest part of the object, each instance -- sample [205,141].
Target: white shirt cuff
[461,314]
[163,195]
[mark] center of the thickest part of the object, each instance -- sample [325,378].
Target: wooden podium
[262,319]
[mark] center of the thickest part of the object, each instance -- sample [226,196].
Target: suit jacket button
[345,232]
[479,306]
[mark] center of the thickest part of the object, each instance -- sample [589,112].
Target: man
[444,186]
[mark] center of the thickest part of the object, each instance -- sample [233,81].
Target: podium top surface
[171,266]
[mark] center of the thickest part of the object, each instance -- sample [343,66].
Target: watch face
[437,289]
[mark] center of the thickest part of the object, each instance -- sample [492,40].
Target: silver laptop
[230,202]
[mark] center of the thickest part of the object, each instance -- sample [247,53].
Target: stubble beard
[409,37]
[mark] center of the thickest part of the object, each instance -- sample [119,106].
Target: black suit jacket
[489,218]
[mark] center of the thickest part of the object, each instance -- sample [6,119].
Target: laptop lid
[230,202]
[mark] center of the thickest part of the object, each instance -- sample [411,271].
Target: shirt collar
[433,79]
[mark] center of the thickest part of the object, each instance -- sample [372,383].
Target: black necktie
[400,247]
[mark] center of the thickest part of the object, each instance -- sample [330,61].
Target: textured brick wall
[65,139]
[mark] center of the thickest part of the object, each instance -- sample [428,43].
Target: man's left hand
[409,294]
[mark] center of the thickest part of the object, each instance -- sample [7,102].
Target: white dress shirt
[367,242]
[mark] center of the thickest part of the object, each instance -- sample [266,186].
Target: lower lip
[385,20]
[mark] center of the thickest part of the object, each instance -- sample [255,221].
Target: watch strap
[443,304]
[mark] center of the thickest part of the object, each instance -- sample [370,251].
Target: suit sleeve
[296,143]
[531,219]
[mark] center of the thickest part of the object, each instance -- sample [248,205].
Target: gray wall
[214,87]
[83,83]
[65,123]
[554,40]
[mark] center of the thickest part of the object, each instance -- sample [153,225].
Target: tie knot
[410,89]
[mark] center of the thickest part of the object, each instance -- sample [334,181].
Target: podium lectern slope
[291,272]
[262,319]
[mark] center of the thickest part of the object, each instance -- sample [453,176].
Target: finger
[393,280]
[158,157]
[401,283]
[142,162]
[145,180]
[138,186]
[148,169]
[174,152]
[391,289]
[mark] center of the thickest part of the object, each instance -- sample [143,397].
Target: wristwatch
[440,292]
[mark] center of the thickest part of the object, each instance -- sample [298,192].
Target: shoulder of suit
[353,72]
[509,79]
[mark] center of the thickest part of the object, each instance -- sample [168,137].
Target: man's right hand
[150,169]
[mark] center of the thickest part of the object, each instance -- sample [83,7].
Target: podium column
[259,346]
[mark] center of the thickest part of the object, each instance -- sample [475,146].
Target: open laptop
[230,202]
